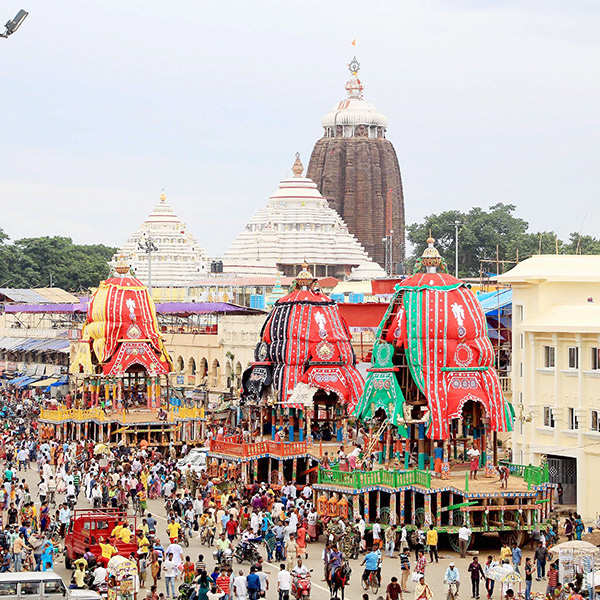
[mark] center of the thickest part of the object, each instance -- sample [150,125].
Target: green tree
[489,234]
[29,262]
[479,231]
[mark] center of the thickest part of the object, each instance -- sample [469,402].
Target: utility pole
[456,224]
[148,246]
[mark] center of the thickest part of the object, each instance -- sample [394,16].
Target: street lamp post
[388,249]
[148,246]
[14,24]
[456,224]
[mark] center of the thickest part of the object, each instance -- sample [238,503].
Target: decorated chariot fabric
[307,341]
[436,320]
[121,322]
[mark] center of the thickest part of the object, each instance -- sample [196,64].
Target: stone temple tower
[355,167]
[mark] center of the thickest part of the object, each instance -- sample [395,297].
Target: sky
[105,103]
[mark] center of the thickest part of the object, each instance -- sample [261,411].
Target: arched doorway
[180,364]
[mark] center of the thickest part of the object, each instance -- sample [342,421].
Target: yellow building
[556,372]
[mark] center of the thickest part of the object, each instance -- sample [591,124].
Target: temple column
[378,504]
[280,471]
[294,468]
[366,507]
[269,467]
[413,508]
[273,421]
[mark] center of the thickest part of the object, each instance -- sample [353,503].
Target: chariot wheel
[514,536]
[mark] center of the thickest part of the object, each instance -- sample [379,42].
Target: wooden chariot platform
[183,425]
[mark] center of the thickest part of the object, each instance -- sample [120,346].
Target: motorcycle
[185,591]
[207,535]
[223,559]
[301,586]
[246,551]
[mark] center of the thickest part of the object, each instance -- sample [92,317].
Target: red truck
[90,525]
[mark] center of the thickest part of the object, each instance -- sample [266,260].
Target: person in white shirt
[307,492]
[362,527]
[299,569]
[240,587]
[376,533]
[170,571]
[284,583]
[464,535]
[99,575]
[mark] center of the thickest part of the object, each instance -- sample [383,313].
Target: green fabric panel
[412,306]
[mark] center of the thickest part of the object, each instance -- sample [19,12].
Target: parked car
[195,460]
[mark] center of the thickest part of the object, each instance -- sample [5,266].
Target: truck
[90,525]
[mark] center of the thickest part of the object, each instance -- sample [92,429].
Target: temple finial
[297,167]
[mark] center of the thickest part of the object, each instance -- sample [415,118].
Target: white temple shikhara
[298,226]
[178,259]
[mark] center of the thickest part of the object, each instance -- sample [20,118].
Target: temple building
[177,259]
[355,167]
[297,226]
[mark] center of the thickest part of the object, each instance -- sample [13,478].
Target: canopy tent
[496,300]
[44,382]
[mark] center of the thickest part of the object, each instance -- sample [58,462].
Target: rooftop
[555,267]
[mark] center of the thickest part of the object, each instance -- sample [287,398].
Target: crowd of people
[45,482]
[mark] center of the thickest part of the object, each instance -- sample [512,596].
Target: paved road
[391,566]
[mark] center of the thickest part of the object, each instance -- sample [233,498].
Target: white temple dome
[297,226]
[177,259]
[354,116]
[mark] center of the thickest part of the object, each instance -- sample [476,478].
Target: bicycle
[372,582]
[452,591]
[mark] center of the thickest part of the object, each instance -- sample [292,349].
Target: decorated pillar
[402,504]
[413,508]
[355,506]
[269,467]
[255,469]
[428,515]
[451,515]
[406,454]
[300,425]
[438,514]
[366,507]
[378,504]
[149,390]
[294,468]
[393,513]
[280,471]
[421,446]
[291,424]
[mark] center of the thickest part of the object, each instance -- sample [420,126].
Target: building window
[595,359]
[548,417]
[520,312]
[549,357]
[521,369]
[595,421]
[573,357]
[572,419]
[522,341]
